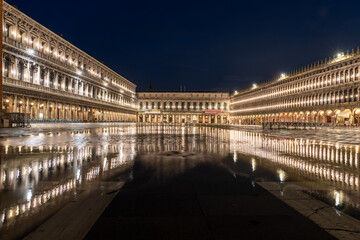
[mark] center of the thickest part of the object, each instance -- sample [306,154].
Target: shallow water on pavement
[43,171]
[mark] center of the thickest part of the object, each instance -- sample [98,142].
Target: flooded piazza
[42,171]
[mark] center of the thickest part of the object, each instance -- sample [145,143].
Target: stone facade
[50,78]
[326,92]
[183,107]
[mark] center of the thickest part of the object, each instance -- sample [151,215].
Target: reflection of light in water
[3,217]
[28,195]
[339,196]
[78,174]
[235,157]
[104,163]
[253,164]
[281,175]
[23,169]
[277,150]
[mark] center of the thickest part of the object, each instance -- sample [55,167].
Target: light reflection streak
[67,160]
[341,166]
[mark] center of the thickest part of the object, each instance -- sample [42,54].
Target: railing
[27,85]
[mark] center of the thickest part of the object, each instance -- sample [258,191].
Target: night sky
[203,45]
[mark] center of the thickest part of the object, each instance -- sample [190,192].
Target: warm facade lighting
[30,51]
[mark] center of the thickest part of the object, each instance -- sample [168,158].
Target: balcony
[14,84]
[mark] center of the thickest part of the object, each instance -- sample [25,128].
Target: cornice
[22,16]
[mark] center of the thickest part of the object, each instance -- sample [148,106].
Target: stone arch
[356,114]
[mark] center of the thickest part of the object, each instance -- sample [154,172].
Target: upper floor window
[21,36]
[51,79]
[20,70]
[42,77]
[7,30]
[7,67]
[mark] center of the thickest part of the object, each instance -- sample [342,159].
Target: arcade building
[324,92]
[183,107]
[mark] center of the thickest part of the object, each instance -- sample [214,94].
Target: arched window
[356,94]
[67,82]
[31,76]
[171,105]
[350,96]
[7,67]
[42,77]
[51,78]
[20,70]
[73,86]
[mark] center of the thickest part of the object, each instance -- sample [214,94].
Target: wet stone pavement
[205,202]
[110,181]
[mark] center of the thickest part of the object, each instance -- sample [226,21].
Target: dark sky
[204,45]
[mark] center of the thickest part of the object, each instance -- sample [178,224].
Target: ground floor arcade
[46,109]
[222,118]
[339,116]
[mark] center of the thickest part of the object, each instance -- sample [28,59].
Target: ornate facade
[326,91]
[50,78]
[183,107]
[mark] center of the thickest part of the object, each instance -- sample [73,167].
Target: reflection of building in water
[327,91]
[183,107]
[170,151]
[50,78]
[39,175]
[157,138]
[335,164]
